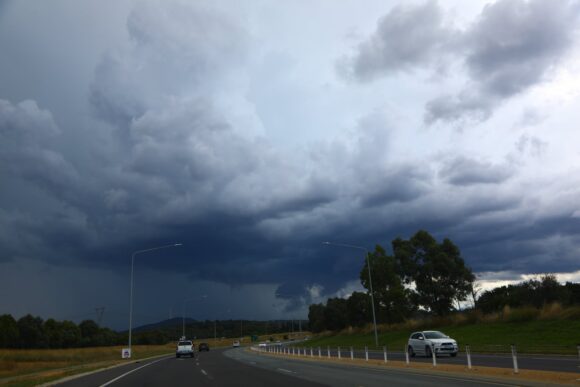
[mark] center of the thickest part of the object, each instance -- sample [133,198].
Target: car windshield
[435,335]
[184,343]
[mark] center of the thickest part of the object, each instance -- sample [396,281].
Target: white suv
[184,348]
[429,342]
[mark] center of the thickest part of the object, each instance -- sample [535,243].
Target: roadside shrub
[551,311]
[522,314]
[572,313]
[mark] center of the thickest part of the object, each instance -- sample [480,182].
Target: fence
[499,356]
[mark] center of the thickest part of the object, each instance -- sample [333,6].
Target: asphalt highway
[531,362]
[238,367]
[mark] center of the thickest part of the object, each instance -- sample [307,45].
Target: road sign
[126,353]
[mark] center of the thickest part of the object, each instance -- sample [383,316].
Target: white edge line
[130,372]
[203,372]
[282,369]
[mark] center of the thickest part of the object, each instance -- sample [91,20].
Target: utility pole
[100,311]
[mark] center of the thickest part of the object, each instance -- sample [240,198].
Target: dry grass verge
[28,367]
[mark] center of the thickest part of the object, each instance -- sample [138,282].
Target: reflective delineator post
[515,358]
[319,352]
[339,353]
[328,351]
[434,356]
[351,353]
[406,356]
[468,354]
[366,353]
[385,353]
[311,352]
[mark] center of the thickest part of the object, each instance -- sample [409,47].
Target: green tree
[335,314]
[316,318]
[53,333]
[393,302]
[359,309]
[437,271]
[8,332]
[31,332]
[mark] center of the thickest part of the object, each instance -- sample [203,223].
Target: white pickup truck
[184,348]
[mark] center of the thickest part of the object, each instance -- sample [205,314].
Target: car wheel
[411,352]
[454,354]
[428,351]
[177,356]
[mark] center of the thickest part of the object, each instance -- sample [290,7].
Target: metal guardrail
[500,356]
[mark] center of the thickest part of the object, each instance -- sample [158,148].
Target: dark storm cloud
[405,38]
[465,171]
[167,159]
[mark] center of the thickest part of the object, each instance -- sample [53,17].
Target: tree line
[34,332]
[535,292]
[421,274]
[426,278]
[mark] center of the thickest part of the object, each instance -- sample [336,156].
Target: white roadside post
[311,352]
[515,358]
[328,351]
[406,356]
[385,353]
[339,353]
[351,353]
[366,353]
[434,356]
[468,354]
[319,352]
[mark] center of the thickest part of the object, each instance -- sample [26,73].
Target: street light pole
[131,291]
[370,281]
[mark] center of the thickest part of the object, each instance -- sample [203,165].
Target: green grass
[537,336]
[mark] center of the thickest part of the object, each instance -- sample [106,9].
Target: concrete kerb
[121,364]
[482,373]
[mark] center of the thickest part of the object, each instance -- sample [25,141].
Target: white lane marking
[203,372]
[130,372]
[284,370]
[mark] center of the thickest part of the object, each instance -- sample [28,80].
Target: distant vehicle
[278,343]
[236,344]
[262,345]
[203,347]
[429,342]
[184,348]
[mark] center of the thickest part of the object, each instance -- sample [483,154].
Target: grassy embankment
[552,330]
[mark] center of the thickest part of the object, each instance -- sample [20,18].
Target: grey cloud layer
[168,159]
[510,47]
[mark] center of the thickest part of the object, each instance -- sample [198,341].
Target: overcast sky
[253,131]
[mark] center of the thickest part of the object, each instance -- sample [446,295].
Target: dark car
[203,347]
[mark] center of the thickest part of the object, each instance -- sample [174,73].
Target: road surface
[237,367]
